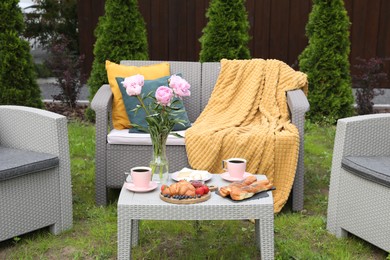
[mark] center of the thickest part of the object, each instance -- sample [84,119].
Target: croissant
[179,188]
[241,190]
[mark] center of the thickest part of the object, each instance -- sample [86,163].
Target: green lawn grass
[300,235]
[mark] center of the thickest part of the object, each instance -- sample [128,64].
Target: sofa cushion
[119,115]
[124,137]
[150,86]
[15,162]
[373,168]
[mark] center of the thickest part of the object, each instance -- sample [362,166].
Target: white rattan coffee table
[133,207]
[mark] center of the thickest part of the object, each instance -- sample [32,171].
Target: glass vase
[159,162]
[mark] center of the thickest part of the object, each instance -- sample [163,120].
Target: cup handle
[223,165]
[127,174]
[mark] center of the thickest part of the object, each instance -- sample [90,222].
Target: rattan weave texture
[43,198]
[133,207]
[357,205]
[113,160]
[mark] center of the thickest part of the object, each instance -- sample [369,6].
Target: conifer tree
[325,61]
[226,33]
[18,85]
[120,34]
[52,20]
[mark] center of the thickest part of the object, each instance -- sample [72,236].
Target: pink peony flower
[180,86]
[134,84]
[164,95]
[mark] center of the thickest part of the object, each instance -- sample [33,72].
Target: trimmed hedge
[18,85]
[226,33]
[120,35]
[325,61]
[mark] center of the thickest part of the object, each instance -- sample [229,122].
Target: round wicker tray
[186,201]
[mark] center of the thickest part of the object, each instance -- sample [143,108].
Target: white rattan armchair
[359,195]
[35,185]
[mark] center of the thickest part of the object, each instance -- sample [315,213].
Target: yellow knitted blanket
[247,116]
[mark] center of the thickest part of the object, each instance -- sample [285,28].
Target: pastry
[225,191]
[179,188]
[245,189]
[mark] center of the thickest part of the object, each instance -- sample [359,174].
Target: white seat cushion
[124,137]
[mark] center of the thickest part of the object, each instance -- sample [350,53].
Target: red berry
[163,187]
[199,191]
[206,189]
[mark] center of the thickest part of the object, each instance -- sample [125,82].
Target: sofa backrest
[210,72]
[201,76]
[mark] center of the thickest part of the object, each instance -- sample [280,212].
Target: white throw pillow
[124,137]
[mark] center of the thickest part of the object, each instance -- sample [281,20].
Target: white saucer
[130,186]
[226,176]
[205,176]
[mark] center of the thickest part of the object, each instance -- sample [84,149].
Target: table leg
[265,231]
[135,232]
[257,233]
[124,235]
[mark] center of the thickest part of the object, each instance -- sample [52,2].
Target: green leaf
[177,135]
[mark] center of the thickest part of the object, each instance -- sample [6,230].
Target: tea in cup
[235,167]
[141,176]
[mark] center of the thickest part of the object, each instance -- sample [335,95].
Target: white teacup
[235,167]
[141,176]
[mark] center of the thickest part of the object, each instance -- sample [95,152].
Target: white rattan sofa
[112,160]
[35,179]
[359,195]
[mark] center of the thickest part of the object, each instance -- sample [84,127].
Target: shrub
[50,20]
[66,67]
[42,71]
[18,84]
[369,77]
[120,34]
[226,33]
[325,61]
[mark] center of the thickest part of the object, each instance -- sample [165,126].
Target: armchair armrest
[33,129]
[298,105]
[102,105]
[363,136]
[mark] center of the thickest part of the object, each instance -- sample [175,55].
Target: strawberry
[199,191]
[206,189]
[163,187]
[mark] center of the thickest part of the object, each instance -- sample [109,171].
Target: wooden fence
[277,28]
